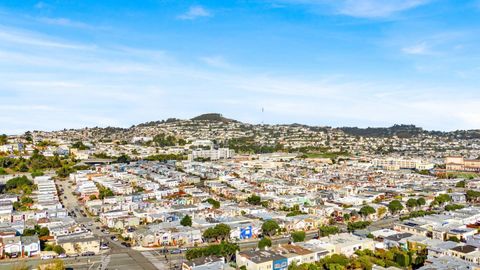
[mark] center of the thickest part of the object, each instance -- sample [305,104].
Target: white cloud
[29,39]
[216,61]
[376,8]
[194,12]
[67,23]
[362,8]
[417,49]
[41,5]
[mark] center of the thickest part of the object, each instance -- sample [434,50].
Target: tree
[215,204]
[359,225]
[223,249]
[92,197]
[328,230]
[298,236]
[421,201]
[186,221]
[65,171]
[460,184]
[454,239]
[381,211]
[367,210]
[254,200]
[3,139]
[270,227]
[442,199]
[58,249]
[123,158]
[223,231]
[80,146]
[402,258]
[395,206]
[412,203]
[219,231]
[264,242]
[452,207]
[472,195]
[43,231]
[18,182]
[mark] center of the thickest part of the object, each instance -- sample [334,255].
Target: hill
[401,131]
[214,117]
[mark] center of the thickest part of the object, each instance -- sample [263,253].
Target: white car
[47,257]
[63,255]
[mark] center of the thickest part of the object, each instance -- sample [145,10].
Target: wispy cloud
[28,38]
[362,8]
[216,61]
[194,12]
[417,49]
[377,9]
[41,5]
[67,23]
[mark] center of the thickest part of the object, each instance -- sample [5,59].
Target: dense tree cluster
[220,231]
[165,157]
[359,225]
[365,259]
[453,207]
[328,230]
[37,230]
[223,249]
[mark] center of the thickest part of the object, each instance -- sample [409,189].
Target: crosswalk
[150,256]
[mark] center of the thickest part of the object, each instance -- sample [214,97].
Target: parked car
[47,257]
[175,251]
[88,253]
[63,255]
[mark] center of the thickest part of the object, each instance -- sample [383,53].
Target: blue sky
[70,64]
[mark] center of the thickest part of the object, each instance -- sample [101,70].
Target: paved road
[117,251]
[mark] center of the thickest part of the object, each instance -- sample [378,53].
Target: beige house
[75,245]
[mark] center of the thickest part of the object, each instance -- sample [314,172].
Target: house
[347,244]
[76,245]
[12,246]
[205,263]
[295,253]
[448,263]
[466,252]
[30,245]
[261,260]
